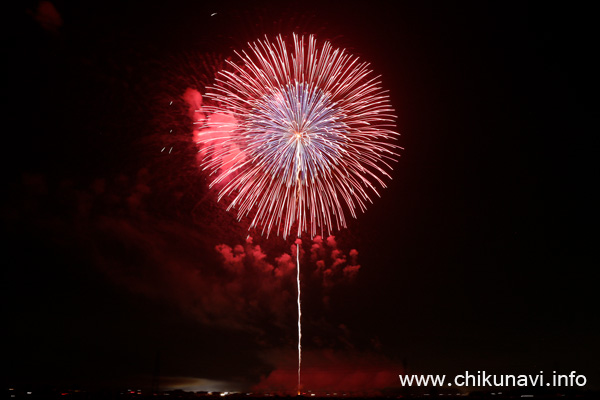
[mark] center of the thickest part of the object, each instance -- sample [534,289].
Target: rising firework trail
[308,138]
[299,313]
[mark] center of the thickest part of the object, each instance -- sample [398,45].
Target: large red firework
[308,136]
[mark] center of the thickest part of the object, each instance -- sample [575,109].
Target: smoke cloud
[48,16]
[332,264]
[333,372]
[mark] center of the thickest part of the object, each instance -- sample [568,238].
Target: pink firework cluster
[307,140]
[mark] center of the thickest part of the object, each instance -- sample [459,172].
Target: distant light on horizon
[194,384]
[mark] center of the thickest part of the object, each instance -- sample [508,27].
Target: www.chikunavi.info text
[484,379]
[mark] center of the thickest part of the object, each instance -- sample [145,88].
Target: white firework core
[312,137]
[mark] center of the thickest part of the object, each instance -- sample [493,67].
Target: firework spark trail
[308,141]
[299,314]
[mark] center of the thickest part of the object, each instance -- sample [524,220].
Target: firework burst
[311,140]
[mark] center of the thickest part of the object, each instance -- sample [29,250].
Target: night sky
[118,262]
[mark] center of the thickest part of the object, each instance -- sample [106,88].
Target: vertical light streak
[299,314]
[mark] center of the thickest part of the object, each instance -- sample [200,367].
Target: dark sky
[481,254]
